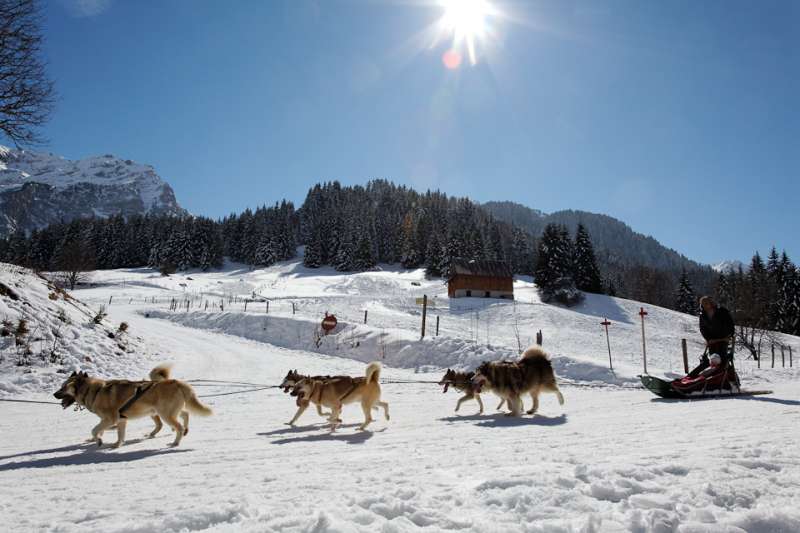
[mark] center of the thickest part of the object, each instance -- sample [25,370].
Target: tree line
[353,228]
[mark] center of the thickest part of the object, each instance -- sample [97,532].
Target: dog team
[165,400]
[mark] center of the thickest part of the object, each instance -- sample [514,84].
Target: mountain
[38,189]
[615,242]
[731,265]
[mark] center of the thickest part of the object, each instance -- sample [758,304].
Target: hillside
[615,241]
[61,336]
[38,189]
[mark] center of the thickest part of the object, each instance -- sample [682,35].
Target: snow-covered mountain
[38,189]
[731,265]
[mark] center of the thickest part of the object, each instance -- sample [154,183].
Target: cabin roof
[495,269]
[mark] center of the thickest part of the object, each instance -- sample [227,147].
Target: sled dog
[338,391]
[293,377]
[462,382]
[532,374]
[115,401]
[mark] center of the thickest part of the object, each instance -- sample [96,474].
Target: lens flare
[467,22]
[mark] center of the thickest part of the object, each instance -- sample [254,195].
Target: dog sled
[720,382]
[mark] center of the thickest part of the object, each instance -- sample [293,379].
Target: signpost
[607,323]
[643,313]
[329,323]
[424,313]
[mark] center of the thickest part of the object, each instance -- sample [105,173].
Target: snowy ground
[612,459]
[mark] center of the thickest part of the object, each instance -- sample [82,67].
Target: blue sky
[680,118]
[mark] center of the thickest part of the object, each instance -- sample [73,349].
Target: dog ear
[73,374]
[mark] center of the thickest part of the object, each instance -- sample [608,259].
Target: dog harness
[140,390]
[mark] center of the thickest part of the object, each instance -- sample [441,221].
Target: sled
[664,389]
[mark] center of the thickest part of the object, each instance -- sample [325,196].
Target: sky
[680,118]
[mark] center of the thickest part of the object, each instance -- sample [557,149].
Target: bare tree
[74,263]
[26,93]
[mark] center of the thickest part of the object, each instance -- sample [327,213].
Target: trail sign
[329,323]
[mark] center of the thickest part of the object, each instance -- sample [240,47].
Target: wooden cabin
[480,279]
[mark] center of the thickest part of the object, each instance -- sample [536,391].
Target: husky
[293,377]
[532,374]
[338,391]
[115,401]
[462,382]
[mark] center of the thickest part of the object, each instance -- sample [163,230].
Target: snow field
[613,458]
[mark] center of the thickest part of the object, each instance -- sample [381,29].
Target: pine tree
[434,257]
[685,300]
[364,257]
[554,267]
[312,257]
[586,274]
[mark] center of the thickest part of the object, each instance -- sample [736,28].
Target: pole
[773,355]
[245,305]
[605,323]
[685,356]
[790,357]
[365,316]
[783,357]
[437,325]
[267,306]
[424,312]
[293,310]
[643,313]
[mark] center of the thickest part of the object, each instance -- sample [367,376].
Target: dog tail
[373,372]
[534,352]
[160,373]
[192,403]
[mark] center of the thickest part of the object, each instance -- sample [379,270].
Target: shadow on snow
[501,420]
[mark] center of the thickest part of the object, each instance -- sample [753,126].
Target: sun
[466,20]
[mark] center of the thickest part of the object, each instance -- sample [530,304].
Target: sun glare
[466,20]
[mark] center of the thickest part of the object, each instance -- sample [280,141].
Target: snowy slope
[728,266]
[471,329]
[612,459]
[37,189]
[62,336]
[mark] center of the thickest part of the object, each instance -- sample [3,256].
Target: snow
[613,458]
[729,266]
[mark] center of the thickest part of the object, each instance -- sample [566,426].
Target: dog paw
[531,412]
[99,442]
[116,445]
[185,432]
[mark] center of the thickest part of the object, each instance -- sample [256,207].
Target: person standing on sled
[716,326]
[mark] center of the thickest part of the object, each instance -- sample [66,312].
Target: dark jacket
[719,327]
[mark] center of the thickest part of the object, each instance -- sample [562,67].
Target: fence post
[437,325]
[109,299]
[783,356]
[206,308]
[365,316]
[267,306]
[424,312]
[790,357]
[685,356]
[773,355]
[293,310]
[245,305]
